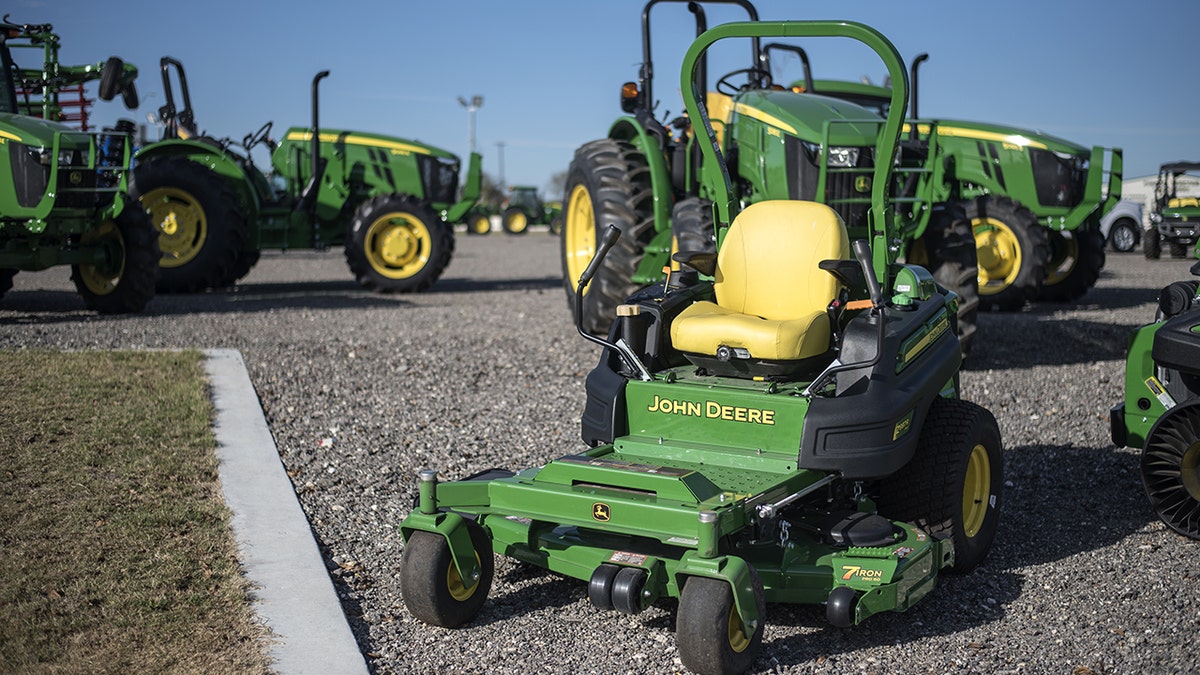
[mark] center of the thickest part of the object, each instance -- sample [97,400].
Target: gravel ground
[363,390]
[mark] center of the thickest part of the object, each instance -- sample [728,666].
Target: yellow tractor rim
[398,245]
[1065,246]
[999,253]
[182,225]
[517,222]
[103,279]
[579,239]
[481,225]
[738,640]
[454,582]
[977,489]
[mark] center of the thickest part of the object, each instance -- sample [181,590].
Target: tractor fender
[216,159]
[631,130]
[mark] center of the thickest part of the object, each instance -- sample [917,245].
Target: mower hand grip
[611,235]
[862,251]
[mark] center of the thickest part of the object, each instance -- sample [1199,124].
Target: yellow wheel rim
[738,640]
[481,225]
[182,225]
[977,489]
[999,253]
[517,222]
[454,582]
[103,279]
[398,245]
[579,239]
[1065,247]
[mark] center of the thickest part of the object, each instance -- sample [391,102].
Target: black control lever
[611,235]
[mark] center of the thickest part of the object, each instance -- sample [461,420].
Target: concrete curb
[295,596]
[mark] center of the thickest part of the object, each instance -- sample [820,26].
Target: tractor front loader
[389,202]
[778,421]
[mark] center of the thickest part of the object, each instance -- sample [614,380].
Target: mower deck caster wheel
[600,586]
[627,590]
[839,609]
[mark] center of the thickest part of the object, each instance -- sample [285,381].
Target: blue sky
[1096,72]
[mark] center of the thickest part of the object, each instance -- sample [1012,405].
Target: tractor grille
[1059,180]
[76,186]
[439,177]
[847,189]
[30,176]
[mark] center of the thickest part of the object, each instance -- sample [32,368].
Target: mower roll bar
[171,116]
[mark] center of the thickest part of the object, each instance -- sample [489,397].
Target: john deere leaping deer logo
[601,512]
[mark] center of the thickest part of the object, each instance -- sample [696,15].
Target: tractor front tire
[432,588]
[947,250]
[1171,468]
[1011,250]
[708,630]
[479,223]
[692,226]
[608,183]
[397,244]
[515,221]
[1076,259]
[124,283]
[201,227]
[1152,246]
[952,485]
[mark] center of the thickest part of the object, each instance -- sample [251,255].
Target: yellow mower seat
[771,295]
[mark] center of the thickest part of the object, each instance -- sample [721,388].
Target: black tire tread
[135,288]
[423,567]
[1035,251]
[441,235]
[1083,274]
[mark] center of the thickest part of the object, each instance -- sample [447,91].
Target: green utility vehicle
[788,431]
[62,191]
[526,208]
[1176,218]
[648,180]
[388,201]
[1161,410]
[1034,201]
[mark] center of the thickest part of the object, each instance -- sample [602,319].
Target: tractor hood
[392,144]
[805,116]
[36,132]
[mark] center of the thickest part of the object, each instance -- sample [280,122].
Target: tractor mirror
[629,97]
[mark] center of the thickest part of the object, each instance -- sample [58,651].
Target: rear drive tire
[947,250]
[397,244]
[201,226]
[124,282]
[1075,262]
[708,631]
[608,182]
[1011,251]
[692,226]
[6,280]
[952,485]
[515,221]
[431,585]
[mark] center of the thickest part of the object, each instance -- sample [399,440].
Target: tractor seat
[771,296]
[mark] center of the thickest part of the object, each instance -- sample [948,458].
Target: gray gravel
[363,390]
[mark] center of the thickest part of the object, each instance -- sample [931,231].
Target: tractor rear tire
[246,260]
[608,183]
[947,250]
[432,588]
[125,282]
[6,280]
[201,226]
[708,632]
[692,226]
[1178,250]
[1011,249]
[952,485]
[1152,246]
[1124,234]
[515,221]
[1171,468]
[397,244]
[1075,263]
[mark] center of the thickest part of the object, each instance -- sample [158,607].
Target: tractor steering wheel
[756,78]
[257,137]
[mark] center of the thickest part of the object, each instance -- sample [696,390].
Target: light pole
[500,151]
[474,104]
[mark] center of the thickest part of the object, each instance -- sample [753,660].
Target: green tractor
[776,422]
[389,202]
[63,197]
[1175,218]
[1034,201]
[645,178]
[526,208]
[1161,410]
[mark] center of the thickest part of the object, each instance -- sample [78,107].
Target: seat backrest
[768,262]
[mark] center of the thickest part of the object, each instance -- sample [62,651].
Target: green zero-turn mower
[646,177]
[776,422]
[389,202]
[1161,410]
[63,198]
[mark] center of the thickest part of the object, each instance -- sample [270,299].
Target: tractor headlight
[843,157]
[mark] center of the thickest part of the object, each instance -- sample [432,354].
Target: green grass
[115,544]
